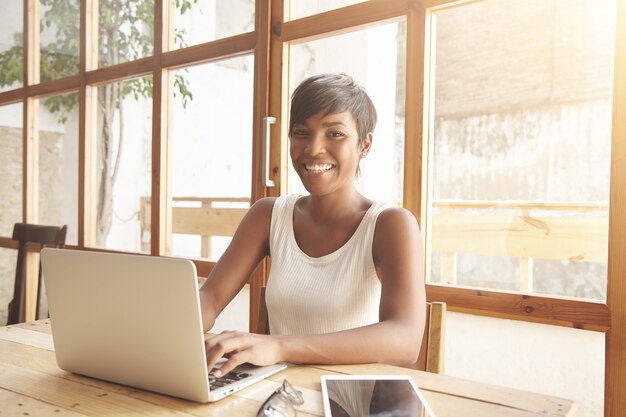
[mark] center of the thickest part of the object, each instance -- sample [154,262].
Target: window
[123,170]
[206,21]
[12,45]
[10,167]
[212,156]
[522,146]
[8,260]
[100,178]
[59,38]
[125,31]
[303,8]
[58,163]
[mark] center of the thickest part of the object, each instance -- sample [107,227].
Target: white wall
[557,361]
[236,315]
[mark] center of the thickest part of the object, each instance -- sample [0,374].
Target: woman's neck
[332,207]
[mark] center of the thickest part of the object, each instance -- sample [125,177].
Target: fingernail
[217,374]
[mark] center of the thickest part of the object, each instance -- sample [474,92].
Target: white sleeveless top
[334,292]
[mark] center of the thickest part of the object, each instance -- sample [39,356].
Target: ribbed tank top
[334,292]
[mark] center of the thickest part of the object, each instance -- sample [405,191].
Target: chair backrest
[263,325]
[432,350]
[30,233]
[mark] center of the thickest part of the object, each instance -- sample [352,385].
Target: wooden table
[31,384]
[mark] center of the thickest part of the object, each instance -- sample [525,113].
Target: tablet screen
[372,395]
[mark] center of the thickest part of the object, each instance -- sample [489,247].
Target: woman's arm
[396,339]
[249,246]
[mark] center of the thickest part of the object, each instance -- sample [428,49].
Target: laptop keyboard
[230,378]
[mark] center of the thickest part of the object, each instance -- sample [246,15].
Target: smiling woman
[343,267]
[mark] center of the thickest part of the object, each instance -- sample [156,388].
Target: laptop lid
[129,319]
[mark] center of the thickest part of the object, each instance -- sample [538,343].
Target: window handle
[267,121]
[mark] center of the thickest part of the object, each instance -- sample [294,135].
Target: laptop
[134,320]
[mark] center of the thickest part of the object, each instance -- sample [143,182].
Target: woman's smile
[318,168]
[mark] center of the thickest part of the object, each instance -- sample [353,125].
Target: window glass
[59,38]
[125,30]
[11,44]
[521,139]
[206,21]
[303,8]
[10,167]
[375,59]
[58,163]
[212,155]
[8,261]
[124,161]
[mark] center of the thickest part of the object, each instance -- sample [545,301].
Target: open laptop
[134,320]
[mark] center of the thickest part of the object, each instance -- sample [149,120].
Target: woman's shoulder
[397,236]
[262,207]
[392,215]
[393,222]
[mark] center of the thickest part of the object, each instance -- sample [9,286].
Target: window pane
[11,44]
[58,163]
[126,31]
[521,138]
[124,163]
[10,167]
[207,21]
[8,262]
[212,156]
[303,8]
[375,59]
[59,38]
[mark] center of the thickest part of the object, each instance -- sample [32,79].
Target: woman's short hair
[333,93]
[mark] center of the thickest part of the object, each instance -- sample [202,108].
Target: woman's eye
[336,134]
[299,133]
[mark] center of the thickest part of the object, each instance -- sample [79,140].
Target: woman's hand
[240,347]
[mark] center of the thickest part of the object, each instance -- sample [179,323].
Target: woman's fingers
[226,344]
[232,362]
[239,348]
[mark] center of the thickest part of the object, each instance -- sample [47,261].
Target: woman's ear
[366,145]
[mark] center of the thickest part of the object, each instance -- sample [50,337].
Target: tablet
[373,395]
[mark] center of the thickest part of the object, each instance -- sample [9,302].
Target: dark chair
[433,343]
[27,234]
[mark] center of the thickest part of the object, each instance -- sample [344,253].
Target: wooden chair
[432,351]
[263,325]
[27,234]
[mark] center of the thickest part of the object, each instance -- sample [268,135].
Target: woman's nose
[315,145]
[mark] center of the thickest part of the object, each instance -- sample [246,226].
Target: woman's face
[325,152]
